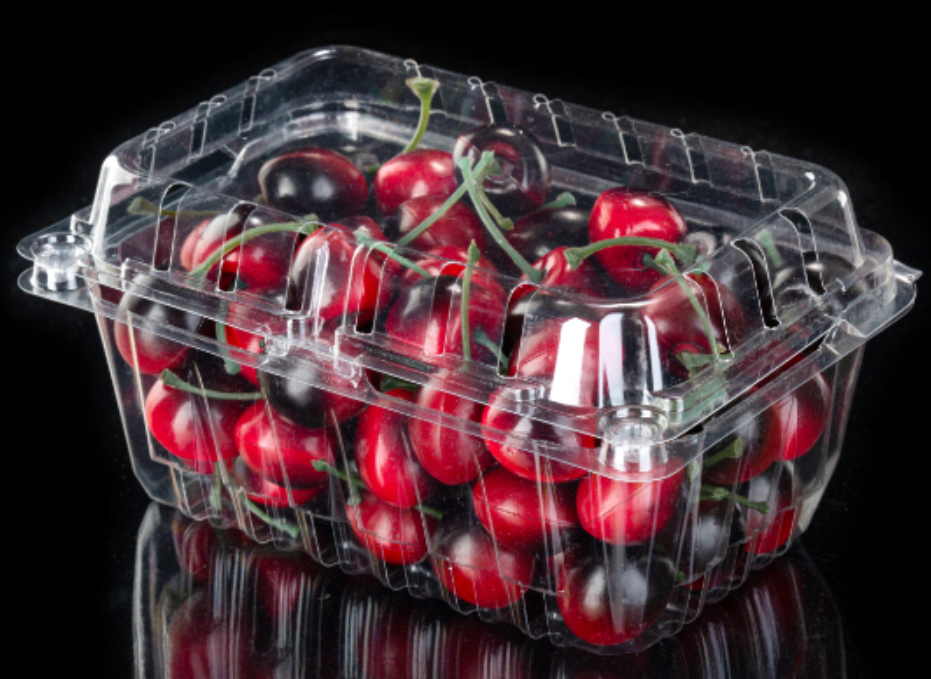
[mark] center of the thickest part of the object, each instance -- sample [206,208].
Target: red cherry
[282,451]
[450,456]
[450,260]
[628,512]
[283,579]
[314,181]
[385,456]
[770,531]
[806,412]
[586,280]
[392,534]
[472,567]
[196,545]
[247,342]
[523,514]
[458,226]
[265,492]
[524,431]
[620,213]
[186,256]
[297,397]
[424,172]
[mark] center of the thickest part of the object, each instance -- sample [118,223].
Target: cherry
[196,546]
[450,456]
[392,534]
[144,350]
[586,279]
[247,342]
[314,181]
[450,260]
[525,515]
[282,451]
[771,530]
[536,235]
[197,429]
[524,430]
[385,457]
[425,318]
[472,567]
[609,598]
[265,492]
[525,177]
[623,512]
[714,529]
[457,226]
[296,398]
[806,412]
[424,172]
[186,256]
[621,213]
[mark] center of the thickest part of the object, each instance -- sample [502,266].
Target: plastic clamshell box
[624,474]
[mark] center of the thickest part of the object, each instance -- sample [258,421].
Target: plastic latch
[632,439]
[56,258]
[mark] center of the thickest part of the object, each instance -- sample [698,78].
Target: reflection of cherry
[386,460]
[457,226]
[525,515]
[283,579]
[196,545]
[393,534]
[470,566]
[424,172]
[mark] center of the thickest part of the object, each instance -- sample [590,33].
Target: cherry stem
[534,275]
[685,252]
[503,222]
[142,206]
[424,88]
[388,250]
[716,494]
[732,452]
[229,364]
[482,338]
[474,254]
[390,382]
[564,199]
[175,382]
[444,208]
[765,238]
[293,531]
[307,227]
[354,483]
[216,500]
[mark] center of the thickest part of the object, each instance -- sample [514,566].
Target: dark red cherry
[297,398]
[450,260]
[280,450]
[525,431]
[458,226]
[586,279]
[779,490]
[525,515]
[425,318]
[620,213]
[424,172]
[472,567]
[314,181]
[144,350]
[612,596]
[450,456]
[197,429]
[717,525]
[806,412]
[196,546]
[536,235]
[259,489]
[628,512]
[391,534]
[525,177]
[386,459]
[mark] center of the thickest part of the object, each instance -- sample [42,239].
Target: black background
[844,94]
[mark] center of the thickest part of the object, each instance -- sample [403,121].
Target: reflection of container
[278,614]
[645,429]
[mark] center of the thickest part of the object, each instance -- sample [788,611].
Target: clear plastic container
[211,603]
[446,359]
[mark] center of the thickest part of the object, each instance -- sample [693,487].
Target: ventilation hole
[761,277]
[518,306]
[564,134]
[813,268]
[165,230]
[497,111]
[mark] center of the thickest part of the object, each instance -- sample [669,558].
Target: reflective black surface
[830,94]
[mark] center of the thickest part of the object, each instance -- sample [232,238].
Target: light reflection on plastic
[566,383]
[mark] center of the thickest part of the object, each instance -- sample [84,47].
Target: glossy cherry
[385,457]
[525,177]
[778,489]
[280,450]
[806,412]
[186,256]
[522,452]
[314,181]
[146,351]
[450,260]
[423,172]
[525,515]
[296,398]
[623,512]
[586,279]
[450,456]
[392,534]
[612,596]
[458,226]
[472,567]
[620,213]
[536,235]
[427,317]
[259,489]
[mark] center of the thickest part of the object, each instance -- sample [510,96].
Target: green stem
[175,382]
[474,254]
[424,88]
[716,494]
[354,483]
[503,222]
[731,452]
[685,252]
[229,364]
[564,199]
[444,208]
[306,228]
[288,528]
[664,262]
[216,500]
[389,251]
[766,240]
[390,382]
[142,206]
[534,275]
[481,337]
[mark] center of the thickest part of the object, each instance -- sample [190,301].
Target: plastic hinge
[627,135]
[696,155]
[765,177]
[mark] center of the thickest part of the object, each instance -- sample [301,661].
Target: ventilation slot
[761,277]
[813,267]
[165,230]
